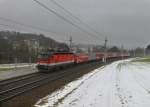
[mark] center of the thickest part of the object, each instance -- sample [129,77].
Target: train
[48,61]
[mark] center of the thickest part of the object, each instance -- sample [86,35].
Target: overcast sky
[124,22]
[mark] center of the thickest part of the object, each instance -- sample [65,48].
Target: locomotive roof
[62,52]
[51,52]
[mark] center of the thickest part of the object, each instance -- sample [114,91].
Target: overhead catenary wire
[65,19]
[6,25]
[9,27]
[75,17]
[14,28]
[25,25]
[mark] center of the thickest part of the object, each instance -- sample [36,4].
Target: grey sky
[124,22]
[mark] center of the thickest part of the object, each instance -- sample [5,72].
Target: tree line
[24,47]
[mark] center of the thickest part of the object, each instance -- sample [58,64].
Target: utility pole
[70,43]
[38,46]
[105,49]
[15,44]
[122,51]
[144,53]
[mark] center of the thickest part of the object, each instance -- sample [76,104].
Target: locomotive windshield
[45,55]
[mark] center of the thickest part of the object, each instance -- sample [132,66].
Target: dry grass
[142,59]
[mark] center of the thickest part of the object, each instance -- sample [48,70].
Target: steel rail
[27,88]
[16,79]
[24,87]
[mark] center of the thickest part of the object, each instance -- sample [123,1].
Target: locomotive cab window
[45,55]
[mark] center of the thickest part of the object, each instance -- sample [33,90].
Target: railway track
[16,79]
[16,86]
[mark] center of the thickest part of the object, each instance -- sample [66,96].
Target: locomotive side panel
[54,61]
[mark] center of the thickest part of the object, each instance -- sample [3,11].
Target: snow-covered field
[13,70]
[120,84]
[17,65]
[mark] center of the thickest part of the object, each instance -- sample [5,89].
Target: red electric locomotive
[48,61]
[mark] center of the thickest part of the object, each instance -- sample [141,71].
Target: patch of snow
[17,65]
[120,84]
[16,70]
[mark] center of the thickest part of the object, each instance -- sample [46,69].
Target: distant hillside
[11,37]
[22,46]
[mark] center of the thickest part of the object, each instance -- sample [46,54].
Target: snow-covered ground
[120,84]
[17,65]
[13,70]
